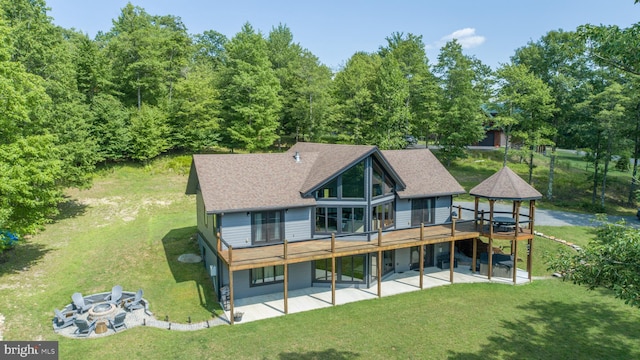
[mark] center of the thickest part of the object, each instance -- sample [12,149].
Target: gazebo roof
[505,184]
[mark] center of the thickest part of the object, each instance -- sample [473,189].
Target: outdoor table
[504,221]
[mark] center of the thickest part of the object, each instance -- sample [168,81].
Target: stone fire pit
[102,311]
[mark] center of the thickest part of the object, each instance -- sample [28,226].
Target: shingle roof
[250,181]
[505,184]
[422,173]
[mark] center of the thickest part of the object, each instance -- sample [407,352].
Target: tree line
[146,86]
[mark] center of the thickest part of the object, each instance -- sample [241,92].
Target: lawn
[131,226]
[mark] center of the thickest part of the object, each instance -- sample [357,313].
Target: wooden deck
[309,250]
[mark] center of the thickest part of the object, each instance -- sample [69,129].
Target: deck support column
[286,279]
[451,260]
[529,257]
[474,257]
[379,263]
[490,250]
[231,320]
[532,218]
[475,212]
[515,259]
[421,260]
[333,269]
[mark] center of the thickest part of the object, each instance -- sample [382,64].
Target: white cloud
[466,37]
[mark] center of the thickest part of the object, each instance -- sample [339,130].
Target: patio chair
[62,320]
[118,322]
[79,303]
[84,328]
[136,303]
[115,296]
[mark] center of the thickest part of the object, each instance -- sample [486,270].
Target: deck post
[451,260]
[529,258]
[515,260]
[231,317]
[286,278]
[475,212]
[490,266]
[333,268]
[218,242]
[421,260]
[453,226]
[379,262]
[517,217]
[474,256]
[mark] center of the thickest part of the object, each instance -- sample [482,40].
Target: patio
[272,305]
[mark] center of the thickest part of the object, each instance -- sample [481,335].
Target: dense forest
[69,103]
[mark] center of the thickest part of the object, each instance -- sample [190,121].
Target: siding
[236,229]
[403,213]
[443,209]
[299,278]
[297,224]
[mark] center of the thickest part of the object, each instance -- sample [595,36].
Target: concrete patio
[272,305]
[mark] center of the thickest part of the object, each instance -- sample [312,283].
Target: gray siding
[443,209]
[299,278]
[205,227]
[236,229]
[297,225]
[403,213]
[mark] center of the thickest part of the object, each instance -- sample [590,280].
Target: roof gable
[505,184]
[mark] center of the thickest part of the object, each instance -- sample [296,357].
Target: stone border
[563,242]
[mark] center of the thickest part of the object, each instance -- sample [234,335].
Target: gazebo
[505,225]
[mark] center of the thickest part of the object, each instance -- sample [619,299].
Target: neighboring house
[269,223]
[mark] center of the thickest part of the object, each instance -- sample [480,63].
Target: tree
[526,103]
[424,94]
[465,89]
[195,110]
[611,261]
[353,89]
[110,127]
[559,60]
[391,114]
[148,133]
[251,105]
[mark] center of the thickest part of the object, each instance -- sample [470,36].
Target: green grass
[130,227]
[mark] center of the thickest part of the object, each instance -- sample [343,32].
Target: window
[353,182]
[267,227]
[267,275]
[423,211]
[381,183]
[350,219]
[323,270]
[382,216]
[349,269]
[329,191]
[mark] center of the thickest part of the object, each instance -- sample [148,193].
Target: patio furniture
[84,328]
[504,223]
[136,303]
[79,303]
[62,320]
[118,322]
[115,296]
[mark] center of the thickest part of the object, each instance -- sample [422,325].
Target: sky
[333,30]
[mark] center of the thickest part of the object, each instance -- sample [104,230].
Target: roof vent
[297,157]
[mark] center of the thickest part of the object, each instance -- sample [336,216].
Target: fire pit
[101,311]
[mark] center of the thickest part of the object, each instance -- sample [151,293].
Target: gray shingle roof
[422,173]
[505,184]
[242,182]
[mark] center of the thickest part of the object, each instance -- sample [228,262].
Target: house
[323,215]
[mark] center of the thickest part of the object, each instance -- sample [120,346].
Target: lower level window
[267,275]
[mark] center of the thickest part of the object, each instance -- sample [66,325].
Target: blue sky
[334,30]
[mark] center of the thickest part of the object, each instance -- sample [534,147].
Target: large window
[339,220]
[267,227]
[349,185]
[381,183]
[423,211]
[382,216]
[267,275]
